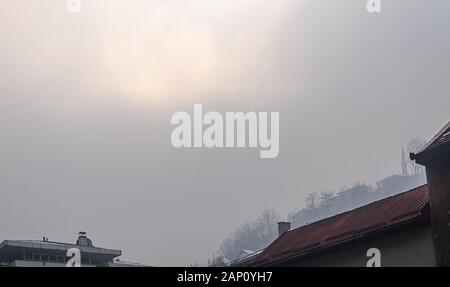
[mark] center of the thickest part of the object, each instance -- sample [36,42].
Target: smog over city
[196,133]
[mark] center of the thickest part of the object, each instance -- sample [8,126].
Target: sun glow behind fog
[170,51]
[153,53]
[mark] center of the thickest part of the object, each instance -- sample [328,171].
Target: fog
[86,101]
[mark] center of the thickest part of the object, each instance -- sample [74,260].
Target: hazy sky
[86,100]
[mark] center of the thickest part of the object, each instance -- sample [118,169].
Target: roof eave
[431,155]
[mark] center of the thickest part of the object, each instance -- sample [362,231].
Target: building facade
[45,253]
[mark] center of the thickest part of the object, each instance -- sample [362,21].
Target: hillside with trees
[259,233]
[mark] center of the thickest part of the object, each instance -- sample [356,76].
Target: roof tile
[357,223]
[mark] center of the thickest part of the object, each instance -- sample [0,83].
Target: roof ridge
[362,206]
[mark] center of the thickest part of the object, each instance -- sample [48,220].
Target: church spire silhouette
[404,163]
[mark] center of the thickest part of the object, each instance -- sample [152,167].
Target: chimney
[283,227]
[83,240]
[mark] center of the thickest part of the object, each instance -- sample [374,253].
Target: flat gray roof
[8,246]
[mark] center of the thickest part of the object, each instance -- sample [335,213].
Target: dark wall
[438,176]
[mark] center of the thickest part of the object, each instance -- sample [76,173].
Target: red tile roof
[390,212]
